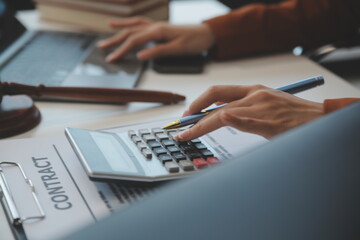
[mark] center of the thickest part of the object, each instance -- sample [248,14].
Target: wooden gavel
[100,95]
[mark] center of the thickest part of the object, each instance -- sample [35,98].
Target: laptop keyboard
[42,61]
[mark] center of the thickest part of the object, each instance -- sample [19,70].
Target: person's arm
[259,28]
[331,105]
[255,28]
[255,109]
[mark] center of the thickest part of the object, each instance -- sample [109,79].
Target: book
[92,20]
[118,8]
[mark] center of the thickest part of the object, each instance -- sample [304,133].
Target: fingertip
[110,58]
[145,54]
[183,136]
[142,56]
[101,44]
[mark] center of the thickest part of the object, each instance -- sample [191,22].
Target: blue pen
[292,88]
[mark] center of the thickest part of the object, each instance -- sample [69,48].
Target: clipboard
[7,201]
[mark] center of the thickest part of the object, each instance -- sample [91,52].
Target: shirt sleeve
[331,105]
[264,28]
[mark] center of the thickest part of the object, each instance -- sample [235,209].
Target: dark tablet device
[180,64]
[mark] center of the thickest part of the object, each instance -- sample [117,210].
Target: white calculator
[145,155]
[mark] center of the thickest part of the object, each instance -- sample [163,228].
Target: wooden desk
[273,71]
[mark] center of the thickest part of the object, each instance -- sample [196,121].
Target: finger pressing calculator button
[153,144]
[164,158]
[186,165]
[172,167]
[179,156]
[158,151]
[200,162]
[147,153]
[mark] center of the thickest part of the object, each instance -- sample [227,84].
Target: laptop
[60,58]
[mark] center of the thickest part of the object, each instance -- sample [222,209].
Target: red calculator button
[212,160]
[200,162]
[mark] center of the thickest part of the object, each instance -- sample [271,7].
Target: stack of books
[95,14]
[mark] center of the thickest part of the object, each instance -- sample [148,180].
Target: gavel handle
[102,95]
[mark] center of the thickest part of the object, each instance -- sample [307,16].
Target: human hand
[255,109]
[176,40]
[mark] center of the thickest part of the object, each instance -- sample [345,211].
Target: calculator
[145,155]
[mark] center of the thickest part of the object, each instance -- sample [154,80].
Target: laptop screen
[10,28]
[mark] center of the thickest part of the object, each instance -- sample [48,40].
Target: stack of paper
[95,14]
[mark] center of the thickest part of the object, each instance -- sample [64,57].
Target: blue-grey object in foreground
[304,184]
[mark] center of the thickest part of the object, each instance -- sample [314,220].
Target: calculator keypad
[159,144]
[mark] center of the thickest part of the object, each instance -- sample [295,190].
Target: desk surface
[273,71]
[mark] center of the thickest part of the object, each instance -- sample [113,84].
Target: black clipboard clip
[7,199]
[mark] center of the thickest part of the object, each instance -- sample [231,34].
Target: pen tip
[174,124]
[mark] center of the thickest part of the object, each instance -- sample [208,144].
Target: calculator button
[200,146]
[141,145]
[158,151]
[143,132]
[195,141]
[171,167]
[207,153]
[186,165]
[193,155]
[136,139]
[187,148]
[148,138]
[157,130]
[162,136]
[168,142]
[131,133]
[212,160]
[181,143]
[147,153]
[173,149]
[200,162]
[164,158]
[153,144]
[179,156]
[172,134]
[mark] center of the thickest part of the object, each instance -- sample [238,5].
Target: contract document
[68,198]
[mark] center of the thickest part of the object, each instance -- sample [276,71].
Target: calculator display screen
[117,156]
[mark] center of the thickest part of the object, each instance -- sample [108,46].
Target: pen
[292,88]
